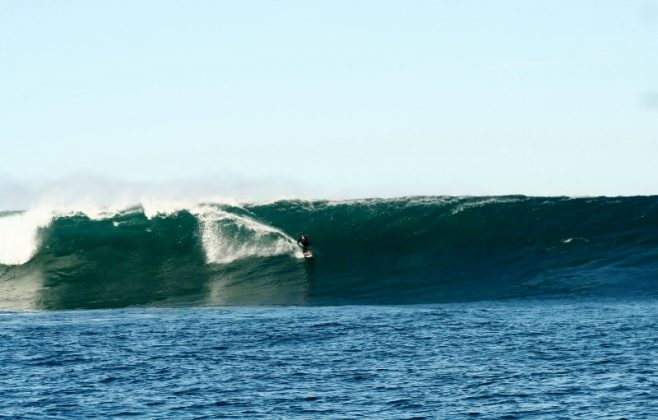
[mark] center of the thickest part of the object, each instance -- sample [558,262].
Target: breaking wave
[374,251]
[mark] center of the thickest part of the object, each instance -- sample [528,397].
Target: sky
[330,98]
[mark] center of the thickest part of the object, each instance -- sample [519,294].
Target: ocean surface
[513,359]
[419,307]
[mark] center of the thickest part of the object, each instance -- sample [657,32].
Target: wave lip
[19,235]
[405,250]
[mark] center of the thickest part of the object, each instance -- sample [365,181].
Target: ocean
[415,307]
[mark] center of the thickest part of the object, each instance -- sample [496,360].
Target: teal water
[584,358]
[397,251]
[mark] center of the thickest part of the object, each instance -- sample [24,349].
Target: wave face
[395,251]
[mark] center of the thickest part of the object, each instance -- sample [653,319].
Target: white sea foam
[19,235]
[19,232]
[228,237]
[225,236]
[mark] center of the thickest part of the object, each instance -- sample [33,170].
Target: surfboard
[308,254]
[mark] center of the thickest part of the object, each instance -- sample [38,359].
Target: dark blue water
[584,358]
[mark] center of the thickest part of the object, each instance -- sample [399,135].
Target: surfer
[305,243]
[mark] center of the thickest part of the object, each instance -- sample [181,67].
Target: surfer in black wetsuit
[305,243]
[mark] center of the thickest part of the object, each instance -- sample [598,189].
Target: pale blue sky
[347,98]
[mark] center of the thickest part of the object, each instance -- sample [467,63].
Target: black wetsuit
[305,243]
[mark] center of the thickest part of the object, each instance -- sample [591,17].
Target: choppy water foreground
[575,358]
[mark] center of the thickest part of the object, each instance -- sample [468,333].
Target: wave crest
[406,250]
